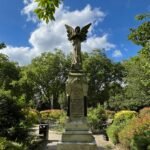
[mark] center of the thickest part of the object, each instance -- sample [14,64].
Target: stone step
[77,137]
[76,146]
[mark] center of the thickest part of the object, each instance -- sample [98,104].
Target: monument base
[76,146]
[77,135]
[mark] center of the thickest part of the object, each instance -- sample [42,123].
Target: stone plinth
[77,135]
[76,146]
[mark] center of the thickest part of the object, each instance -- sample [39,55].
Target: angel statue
[76,36]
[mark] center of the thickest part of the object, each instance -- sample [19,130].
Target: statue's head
[77,29]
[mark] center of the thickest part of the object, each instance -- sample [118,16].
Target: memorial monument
[77,135]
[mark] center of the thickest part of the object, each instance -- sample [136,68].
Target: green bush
[96,118]
[10,113]
[31,116]
[9,145]
[121,119]
[55,116]
[52,114]
[110,114]
[136,135]
[141,141]
[144,111]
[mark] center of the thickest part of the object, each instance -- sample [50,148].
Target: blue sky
[26,37]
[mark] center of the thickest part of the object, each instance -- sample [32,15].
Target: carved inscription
[77,108]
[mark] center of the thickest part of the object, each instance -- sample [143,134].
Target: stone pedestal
[77,135]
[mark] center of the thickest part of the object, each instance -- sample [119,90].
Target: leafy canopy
[46,9]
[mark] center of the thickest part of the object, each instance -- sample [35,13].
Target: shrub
[96,118]
[136,135]
[52,115]
[31,116]
[9,145]
[62,119]
[110,114]
[121,119]
[10,113]
[55,116]
[145,110]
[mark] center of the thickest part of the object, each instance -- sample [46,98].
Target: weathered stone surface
[79,124]
[77,136]
[76,88]
[76,146]
[77,36]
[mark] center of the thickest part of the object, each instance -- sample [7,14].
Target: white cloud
[96,42]
[18,54]
[47,37]
[30,5]
[117,53]
[53,35]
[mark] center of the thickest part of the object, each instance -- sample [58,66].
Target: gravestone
[77,135]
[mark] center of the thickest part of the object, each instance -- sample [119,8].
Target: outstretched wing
[70,32]
[84,31]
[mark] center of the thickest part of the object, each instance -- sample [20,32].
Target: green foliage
[47,74]
[2,45]
[131,104]
[10,113]
[140,142]
[110,114]
[32,116]
[141,35]
[96,118]
[101,73]
[144,111]
[9,71]
[138,78]
[138,67]
[44,79]
[136,135]
[25,87]
[9,145]
[52,114]
[136,92]
[46,9]
[121,119]
[142,16]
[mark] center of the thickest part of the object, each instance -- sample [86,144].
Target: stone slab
[77,124]
[78,137]
[76,146]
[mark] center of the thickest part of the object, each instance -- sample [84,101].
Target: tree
[139,66]
[136,93]
[141,35]
[2,45]
[10,109]
[48,74]
[101,73]
[10,113]
[9,72]
[46,9]
[25,86]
